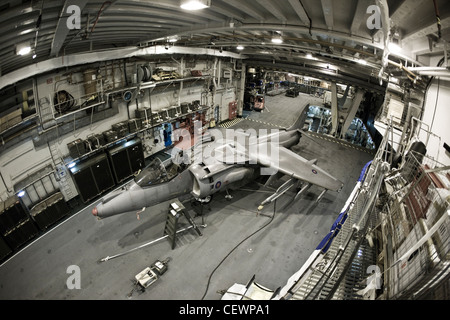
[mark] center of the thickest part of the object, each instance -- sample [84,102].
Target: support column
[334,109]
[241,91]
[353,110]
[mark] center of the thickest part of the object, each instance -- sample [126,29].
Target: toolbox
[110,136]
[142,113]
[185,108]
[164,115]
[134,125]
[172,112]
[121,129]
[156,118]
[96,141]
[77,148]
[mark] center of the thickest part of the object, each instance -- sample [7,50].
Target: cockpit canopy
[156,173]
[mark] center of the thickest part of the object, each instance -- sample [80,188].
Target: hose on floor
[237,246]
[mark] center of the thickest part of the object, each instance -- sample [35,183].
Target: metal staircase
[381,247]
[338,268]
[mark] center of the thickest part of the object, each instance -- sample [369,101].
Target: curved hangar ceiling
[309,33]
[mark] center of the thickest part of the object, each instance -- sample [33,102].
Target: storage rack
[129,136]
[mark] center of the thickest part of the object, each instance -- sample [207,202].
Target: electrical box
[146,277]
[160,267]
[227,74]
[232,110]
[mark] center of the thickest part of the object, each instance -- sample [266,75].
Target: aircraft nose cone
[95,211]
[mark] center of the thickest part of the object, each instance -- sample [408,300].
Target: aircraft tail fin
[299,123]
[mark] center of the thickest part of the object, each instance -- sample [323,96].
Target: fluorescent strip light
[193,5]
[71,165]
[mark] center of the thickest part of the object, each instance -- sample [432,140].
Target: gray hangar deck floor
[40,270]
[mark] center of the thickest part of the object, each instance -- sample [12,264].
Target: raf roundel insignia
[218,184]
[314,171]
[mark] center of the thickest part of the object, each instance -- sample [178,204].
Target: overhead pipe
[386,30]
[98,56]
[401,67]
[432,69]
[438,18]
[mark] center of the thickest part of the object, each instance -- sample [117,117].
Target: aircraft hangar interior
[224,150]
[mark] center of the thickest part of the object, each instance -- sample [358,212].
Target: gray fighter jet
[221,164]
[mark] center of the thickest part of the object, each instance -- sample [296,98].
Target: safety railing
[391,239]
[338,257]
[417,224]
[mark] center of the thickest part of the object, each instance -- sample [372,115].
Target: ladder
[60,170]
[176,211]
[48,122]
[46,114]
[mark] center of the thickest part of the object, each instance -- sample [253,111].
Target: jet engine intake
[204,187]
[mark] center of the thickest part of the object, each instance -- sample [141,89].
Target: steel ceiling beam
[211,28]
[244,6]
[327,7]
[423,32]
[360,15]
[368,83]
[62,29]
[272,8]
[300,11]
[17,11]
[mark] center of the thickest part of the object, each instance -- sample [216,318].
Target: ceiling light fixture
[394,48]
[309,56]
[193,5]
[362,61]
[277,40]
[23,49]
[239,47]
[24,32]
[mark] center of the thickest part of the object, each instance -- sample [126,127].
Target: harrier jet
[220,163]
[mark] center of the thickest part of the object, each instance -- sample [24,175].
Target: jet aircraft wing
[297,167]
[278,159]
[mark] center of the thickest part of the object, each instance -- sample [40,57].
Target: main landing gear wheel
[205,200]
